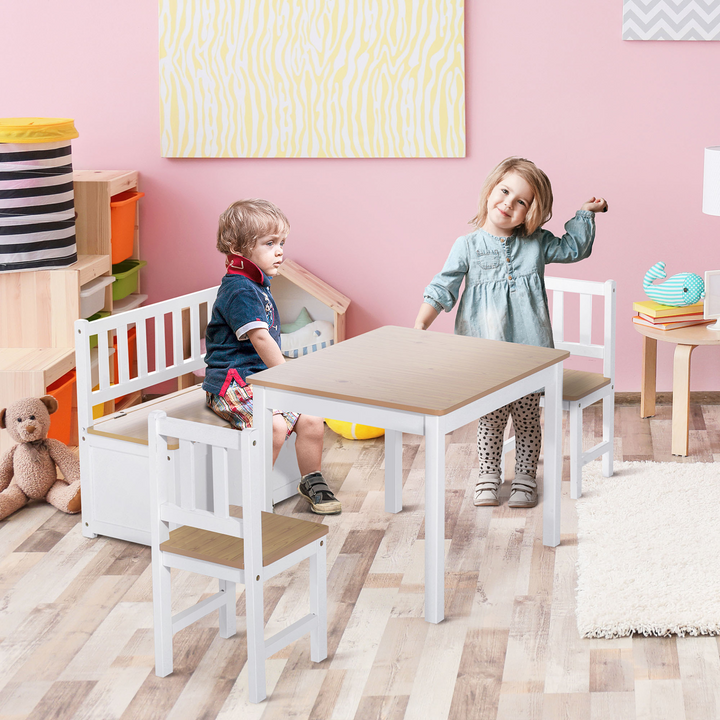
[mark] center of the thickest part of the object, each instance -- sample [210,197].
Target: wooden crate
[93,190]
[41,306]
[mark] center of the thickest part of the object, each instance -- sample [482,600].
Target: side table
[686,340]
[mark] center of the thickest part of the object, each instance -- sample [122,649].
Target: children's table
[686,340]
[424,383]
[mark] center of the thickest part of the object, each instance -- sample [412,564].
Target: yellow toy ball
[353,431]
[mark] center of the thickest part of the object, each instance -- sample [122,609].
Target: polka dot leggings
[525,414]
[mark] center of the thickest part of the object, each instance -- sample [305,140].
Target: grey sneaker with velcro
[316,491]
[523,493]
[486,491]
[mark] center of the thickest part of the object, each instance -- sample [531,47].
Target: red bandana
[239,265]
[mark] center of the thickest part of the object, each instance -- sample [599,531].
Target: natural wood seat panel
[281,535]
[578,383]
[131,425]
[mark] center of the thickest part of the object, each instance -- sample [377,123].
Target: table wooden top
[692,335]
[432,373]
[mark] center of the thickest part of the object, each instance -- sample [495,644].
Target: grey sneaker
[486,491]
[316,491]
[523,493]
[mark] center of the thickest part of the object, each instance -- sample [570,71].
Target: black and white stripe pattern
[37,206]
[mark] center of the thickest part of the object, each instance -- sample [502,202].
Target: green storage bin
[97,316]
[126,277]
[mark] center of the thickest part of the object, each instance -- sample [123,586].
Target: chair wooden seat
[578,383]
[281,536]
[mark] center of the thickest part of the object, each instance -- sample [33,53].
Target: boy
[243,337]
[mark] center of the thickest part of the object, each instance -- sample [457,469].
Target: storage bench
[113,449]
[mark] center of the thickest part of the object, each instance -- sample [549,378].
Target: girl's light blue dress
[504,296]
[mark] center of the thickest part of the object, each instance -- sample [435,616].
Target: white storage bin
[92,295]
[128,303]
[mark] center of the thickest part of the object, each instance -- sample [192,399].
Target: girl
[503,265]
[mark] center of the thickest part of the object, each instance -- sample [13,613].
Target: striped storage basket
[37,205]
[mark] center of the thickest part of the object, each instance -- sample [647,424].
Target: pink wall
[550,81]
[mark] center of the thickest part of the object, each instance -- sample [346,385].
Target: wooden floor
[76,637]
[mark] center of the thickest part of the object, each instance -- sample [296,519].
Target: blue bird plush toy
[679,290]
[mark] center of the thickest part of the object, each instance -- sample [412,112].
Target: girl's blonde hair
[540,210]
[245,222]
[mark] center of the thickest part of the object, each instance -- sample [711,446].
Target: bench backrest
[166,337]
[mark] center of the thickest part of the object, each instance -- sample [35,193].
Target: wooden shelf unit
[37,340]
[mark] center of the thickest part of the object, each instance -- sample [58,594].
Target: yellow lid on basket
[36,130]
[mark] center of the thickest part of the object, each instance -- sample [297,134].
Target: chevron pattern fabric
[671,20]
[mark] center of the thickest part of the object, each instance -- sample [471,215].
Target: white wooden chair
[582,388]
[232,544]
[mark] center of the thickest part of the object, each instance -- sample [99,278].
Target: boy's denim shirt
[241,305]
[504,296]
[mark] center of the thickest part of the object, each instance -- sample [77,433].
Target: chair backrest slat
[609,329]
[221,459]
[189,458]
[122,353]
[142,347]
[558,317]
[103,347]
[586,319]
[177,336]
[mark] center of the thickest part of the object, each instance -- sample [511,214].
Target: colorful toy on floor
[679,290]
[353,431]
[28,471]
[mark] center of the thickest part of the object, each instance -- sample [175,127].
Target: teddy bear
[28,470]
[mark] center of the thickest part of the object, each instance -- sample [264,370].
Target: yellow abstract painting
[312,78]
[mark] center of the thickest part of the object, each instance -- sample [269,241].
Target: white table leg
[434,520]
[262,420]
[393,471]
[553,458]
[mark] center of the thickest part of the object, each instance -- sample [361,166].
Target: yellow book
[656,310]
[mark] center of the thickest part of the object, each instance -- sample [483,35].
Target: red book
[668,325]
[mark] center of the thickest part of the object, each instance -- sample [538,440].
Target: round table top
[692,335]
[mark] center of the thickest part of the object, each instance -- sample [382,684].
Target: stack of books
[667,317]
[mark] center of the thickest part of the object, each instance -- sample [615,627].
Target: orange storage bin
[123,209]
[61,420]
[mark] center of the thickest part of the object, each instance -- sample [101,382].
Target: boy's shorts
[236,406]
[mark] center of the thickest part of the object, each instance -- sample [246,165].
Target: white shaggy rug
[649,550]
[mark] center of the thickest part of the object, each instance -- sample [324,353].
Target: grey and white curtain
[37,206]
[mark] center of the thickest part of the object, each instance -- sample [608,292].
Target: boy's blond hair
[246,221]
[540,210]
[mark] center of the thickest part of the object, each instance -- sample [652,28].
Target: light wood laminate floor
[76,637]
